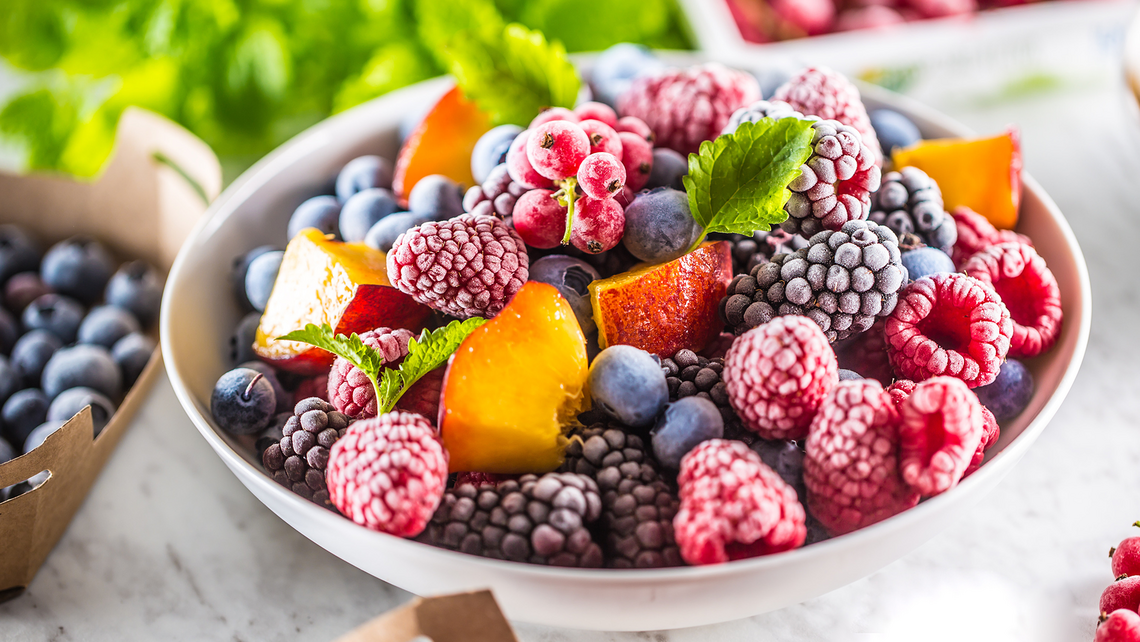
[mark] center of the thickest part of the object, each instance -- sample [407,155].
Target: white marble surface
[170,546]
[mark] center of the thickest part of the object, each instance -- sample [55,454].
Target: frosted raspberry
[349,389]
[991,431]
[976,233]
[777,374]
[684,107]
[851,461]
[941,429]
[388,473]
[949,324]
[466,266]
[733,506]
[819,91]
[1122,625]
[1029,290]
[804,17]
[866,353]
[423,397]
[900,390]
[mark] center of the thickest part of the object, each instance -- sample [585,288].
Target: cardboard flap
[463,617]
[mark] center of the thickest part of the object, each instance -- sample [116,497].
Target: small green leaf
[430,351]
[738,183]
[350,347]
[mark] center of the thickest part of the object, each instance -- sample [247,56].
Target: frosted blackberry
[637,504]
[540,520]
[843,281]
[299,460]
[750,251]
[909,202]
[690,375]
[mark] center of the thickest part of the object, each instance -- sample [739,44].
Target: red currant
[637,156]
[539,219]
[557,148]
[601,175]
[603,138]
[598,224]
[519,167]
[634,125]
[597,111]
[553,114]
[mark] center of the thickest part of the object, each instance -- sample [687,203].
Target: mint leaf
[738,183]
[430,351]
[513,75]
[350,347]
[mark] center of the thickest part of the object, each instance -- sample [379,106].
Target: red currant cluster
[582,168]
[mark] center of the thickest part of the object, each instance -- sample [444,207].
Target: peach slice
[515,386]
[983,174]
[665,307]
[441,144]
[324,281]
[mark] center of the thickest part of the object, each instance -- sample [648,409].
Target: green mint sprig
[738,183]
[425,354]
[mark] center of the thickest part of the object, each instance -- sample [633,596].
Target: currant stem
[567,196]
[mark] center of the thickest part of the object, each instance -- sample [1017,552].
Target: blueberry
[321,212]
[37,437]
[658,226]
[32,352]
[384,233]
[363,173]
[57,314]
[668,169]
[849,375]
[136,287]
[240,269]
[22,289]
[132,353]
[260,277]
[628,384]
[571,276]
[684,424]
[615,69]
[18,252]
[9,332]
[70,402]
[22,412]
[7,453]
[10,380]
[363,210]
[893,129]
[284,400]
[491,149]
[241,341]
[1010,393]
[106,324]
[436,196]
[83,365]
[926,261]
[78,267]
[243,401]
[787,459]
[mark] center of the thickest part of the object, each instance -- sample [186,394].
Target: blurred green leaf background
[245,75]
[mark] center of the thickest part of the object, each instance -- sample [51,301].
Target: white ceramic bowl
[198,316]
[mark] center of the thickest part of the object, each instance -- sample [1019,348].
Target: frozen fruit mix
[811,343]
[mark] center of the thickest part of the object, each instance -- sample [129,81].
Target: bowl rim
[264,169]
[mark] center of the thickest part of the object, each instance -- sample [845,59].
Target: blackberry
[750,251]
[637,504]
[843,281]
[496,196]
[540,520]
[688,374]
[909,202]
[298,461]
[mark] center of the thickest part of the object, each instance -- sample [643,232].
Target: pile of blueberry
[73,333]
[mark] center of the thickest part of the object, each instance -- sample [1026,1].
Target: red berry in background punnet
[557,148]
[540,219]
[601,175]
[598,224]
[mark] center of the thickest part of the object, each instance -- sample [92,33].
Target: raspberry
[349,389]
[1124,593]
[976,233]
[871,17]
[388,473]
[804,17]
[851,466]
[299,458]
[819,91]
[777,375]
[949,324]
[900,390]
[866,353]
[733,506]
[423,397]
[941,428]
[1029,291]
[991,431]
[684,107]
[909,202]
[1121,625]
[466,266]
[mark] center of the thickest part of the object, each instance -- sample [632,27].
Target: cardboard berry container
[254,211]
[153,190]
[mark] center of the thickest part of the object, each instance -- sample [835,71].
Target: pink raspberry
[777,374]
[941,428]
[466,266]
[976,233]
[941,8]
[1122,625]
[684,107]
[819,91]
[900,390]
[949,324]
[991,432]
[349,389]
[866,353]
[872,17]
[733,506]
[851,461]
[803,17]
[388,473]
[423,397]
[1122,594]
[1029,291]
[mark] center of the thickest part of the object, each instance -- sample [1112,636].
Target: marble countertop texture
[170,546]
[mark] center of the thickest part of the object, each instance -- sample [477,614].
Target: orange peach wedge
[515,386]
[324,281]
[441,144]
[665,307]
